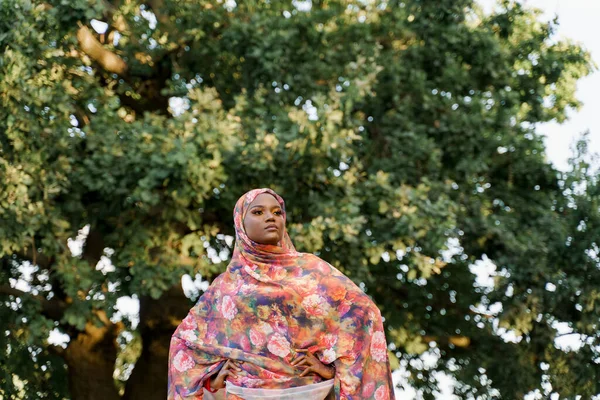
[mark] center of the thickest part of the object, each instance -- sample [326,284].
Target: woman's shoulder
[310,260]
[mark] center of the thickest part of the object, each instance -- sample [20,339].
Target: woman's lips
[271,228]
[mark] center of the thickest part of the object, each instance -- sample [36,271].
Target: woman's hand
[228,369]
[314,365]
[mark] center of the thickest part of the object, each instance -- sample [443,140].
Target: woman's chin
[272,240]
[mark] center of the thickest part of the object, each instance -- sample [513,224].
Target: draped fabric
[270,301]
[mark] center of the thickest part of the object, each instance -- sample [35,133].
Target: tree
[402,135]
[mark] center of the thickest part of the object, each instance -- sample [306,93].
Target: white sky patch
[99,26]
[550,287]
[58,338]
[446,384]
[508,335]
[400,376]
[127,307]
[566,339]
[302,5]
[116,38]
[24,283]
[427,361]
[230,5]
[310,110]
[193,288]
[453,248]
[177,105]
[150,17]
[569,342]
[495,308]
[105,265]
[76,245]
[484,271]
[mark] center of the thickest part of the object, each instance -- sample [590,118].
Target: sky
[578,21]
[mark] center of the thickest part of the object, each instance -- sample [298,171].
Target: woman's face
[264,220]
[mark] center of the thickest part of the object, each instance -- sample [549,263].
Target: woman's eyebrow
[261,206]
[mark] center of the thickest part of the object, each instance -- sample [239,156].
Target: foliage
[402,135]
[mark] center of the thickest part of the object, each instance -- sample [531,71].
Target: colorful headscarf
[270,301]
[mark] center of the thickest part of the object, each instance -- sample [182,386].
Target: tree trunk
[158,320]
[90,358]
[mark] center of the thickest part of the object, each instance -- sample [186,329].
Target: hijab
[271,300]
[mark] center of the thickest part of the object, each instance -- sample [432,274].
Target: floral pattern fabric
[270,301]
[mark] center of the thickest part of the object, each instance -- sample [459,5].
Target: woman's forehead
[266,200]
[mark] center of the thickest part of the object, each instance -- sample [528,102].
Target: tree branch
[108,60]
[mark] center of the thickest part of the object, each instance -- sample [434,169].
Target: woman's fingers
[303,363]
[307,371]
[229,365]
[301,350]
[228,373]
[298,360]
[236,366]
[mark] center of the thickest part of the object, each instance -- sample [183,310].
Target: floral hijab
[270,301]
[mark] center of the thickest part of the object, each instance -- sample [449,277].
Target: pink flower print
[232,287]
[188,335]
[305,287]
[378,347]
[201,329]
[245,343]
[182,362]
[279,345]
[277,273]
[382,393]
[257,337]
[228,308]
[279,323]
[329,356]
[350,383]
[323,268]
[248,288]
[368,390]
[344,307]
[328,340]
[315,305]
[265,328]
[188,322]
[270,375]
[250,271]
[212,331]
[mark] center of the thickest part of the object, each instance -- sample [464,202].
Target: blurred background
[440,153]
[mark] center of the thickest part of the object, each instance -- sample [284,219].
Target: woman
[279,320]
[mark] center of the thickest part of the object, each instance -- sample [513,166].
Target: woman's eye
[278,213]
[257,212]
